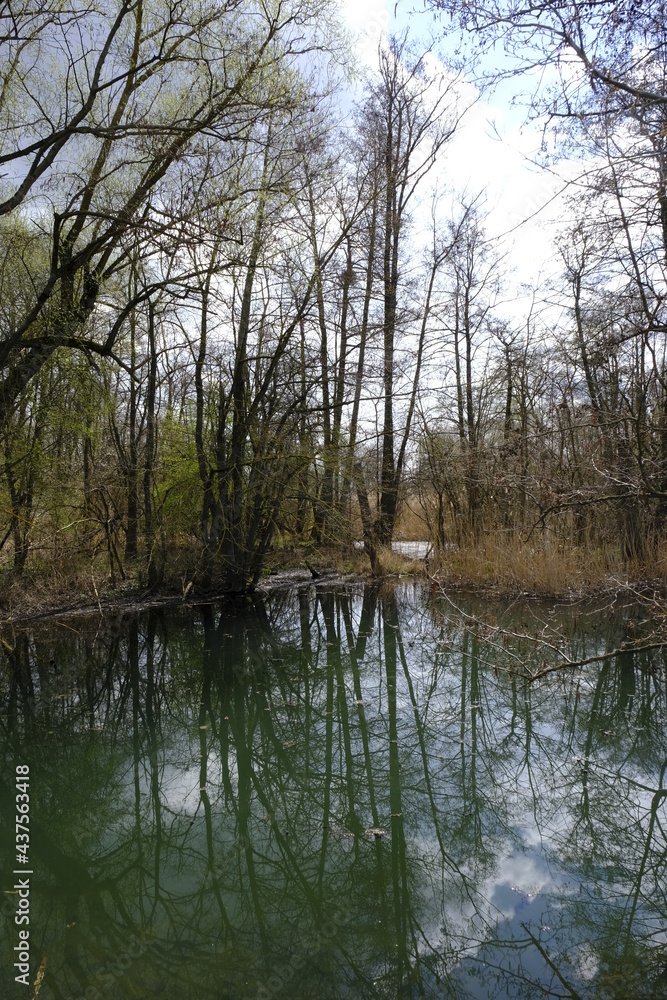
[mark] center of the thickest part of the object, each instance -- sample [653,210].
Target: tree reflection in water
[335,794]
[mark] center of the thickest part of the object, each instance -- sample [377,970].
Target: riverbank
[548,570]
[516,570]
[51,591]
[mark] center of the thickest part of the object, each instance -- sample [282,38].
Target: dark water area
[347,793]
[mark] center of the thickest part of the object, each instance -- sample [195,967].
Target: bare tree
[614,45]
[410,114]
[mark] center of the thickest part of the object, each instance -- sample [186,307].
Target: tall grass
[543,567]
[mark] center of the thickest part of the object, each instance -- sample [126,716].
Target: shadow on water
[334,793]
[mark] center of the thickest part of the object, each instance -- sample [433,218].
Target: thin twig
[564,664]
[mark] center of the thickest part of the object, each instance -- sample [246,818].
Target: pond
[333,793]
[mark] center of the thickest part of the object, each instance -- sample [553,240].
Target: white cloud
[369,21]
[493,152]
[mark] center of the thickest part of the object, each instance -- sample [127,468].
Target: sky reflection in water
[337,794]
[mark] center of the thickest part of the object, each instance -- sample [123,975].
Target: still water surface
[336,794]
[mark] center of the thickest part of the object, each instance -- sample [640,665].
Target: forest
[244,318]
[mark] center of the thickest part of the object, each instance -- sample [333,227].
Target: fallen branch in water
[490,631]
[638,647]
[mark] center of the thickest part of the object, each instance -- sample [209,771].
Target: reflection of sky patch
[501,786]
[180,784]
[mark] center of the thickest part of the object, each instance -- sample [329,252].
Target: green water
[334,794]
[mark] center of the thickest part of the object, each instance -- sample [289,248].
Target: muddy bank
[34,604]
[21,613]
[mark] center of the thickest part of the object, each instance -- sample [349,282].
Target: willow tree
[113,127]
[100,110]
